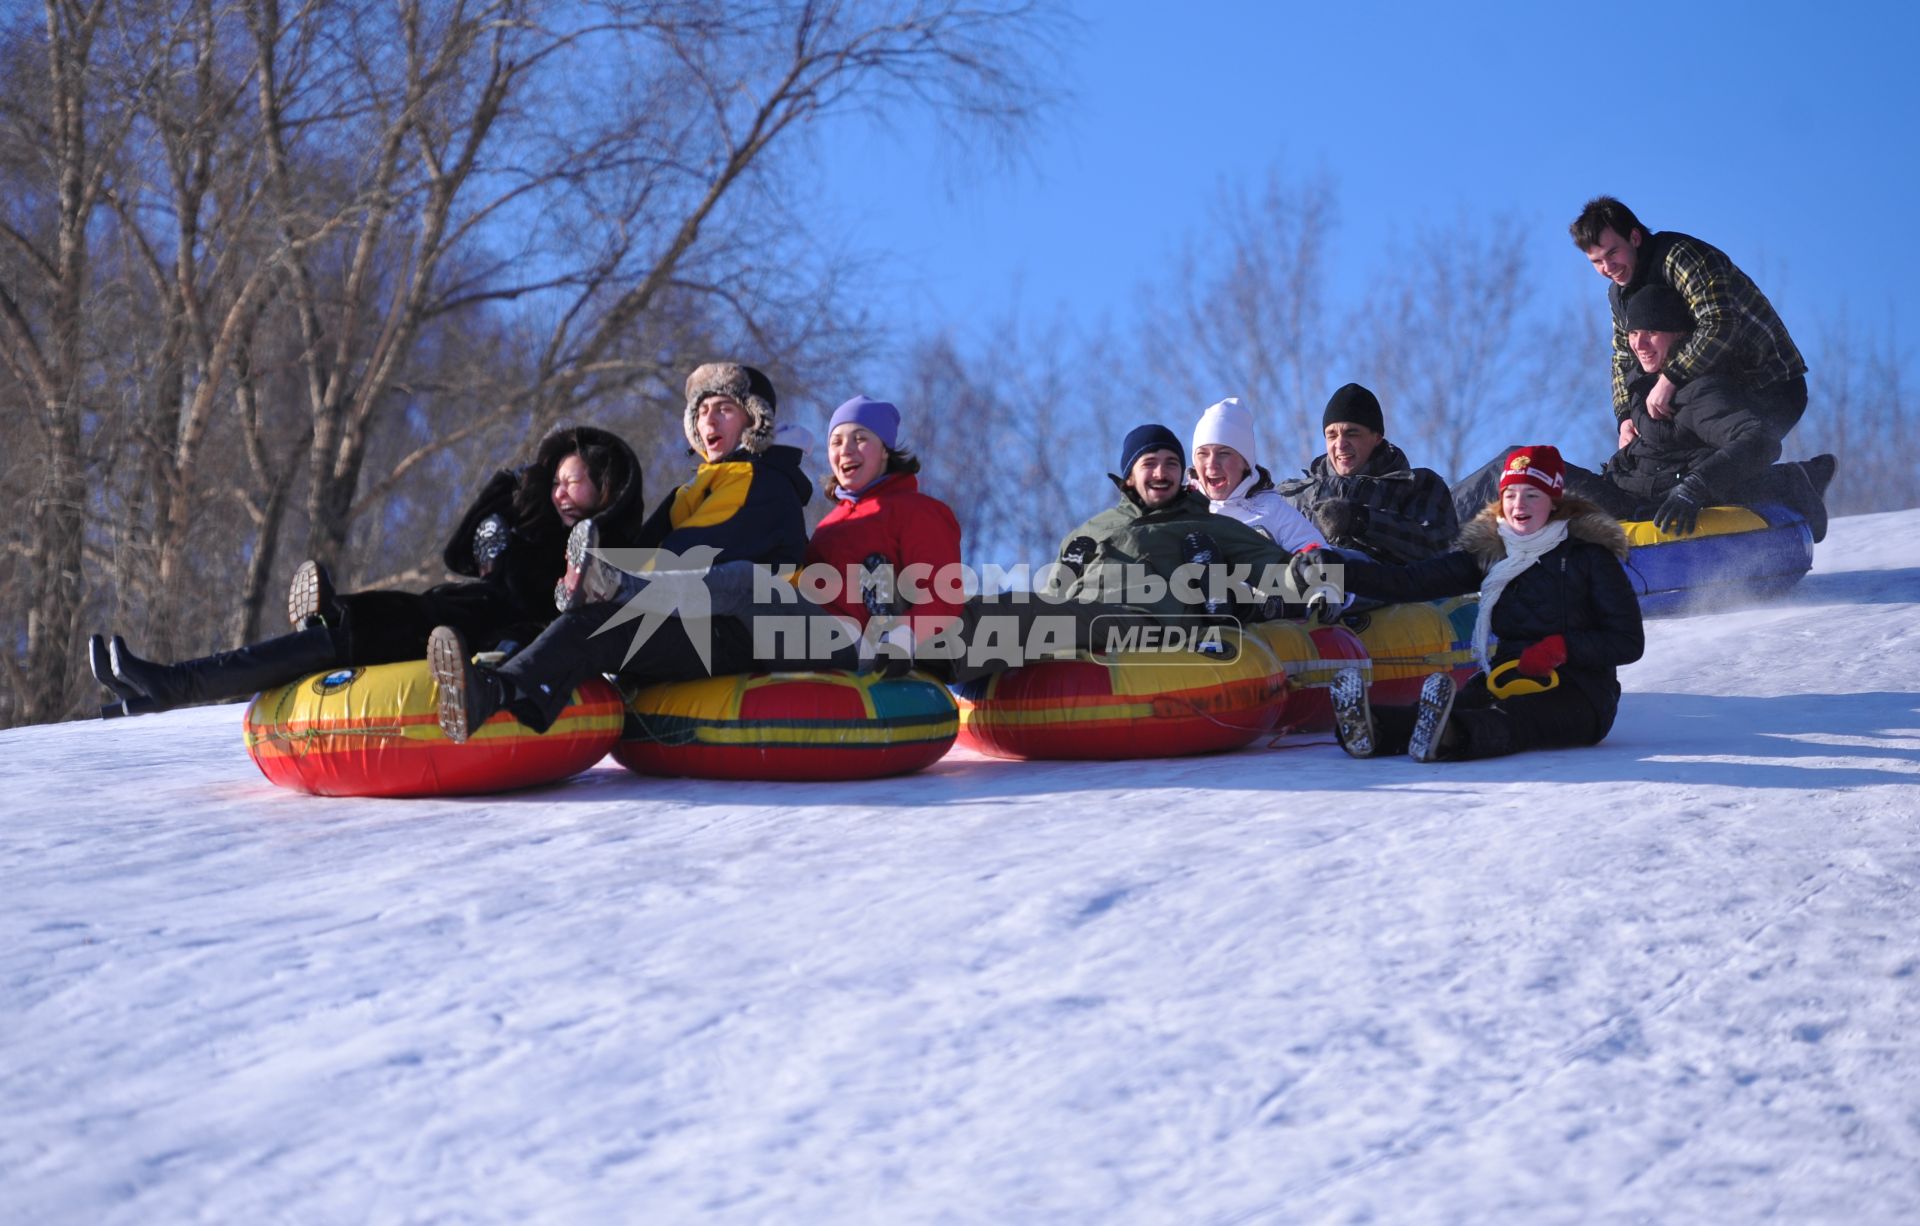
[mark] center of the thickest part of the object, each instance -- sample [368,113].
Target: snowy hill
[1675,978]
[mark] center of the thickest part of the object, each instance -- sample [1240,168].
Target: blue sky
[1784,134]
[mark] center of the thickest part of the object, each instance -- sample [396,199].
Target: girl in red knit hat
[1553,594]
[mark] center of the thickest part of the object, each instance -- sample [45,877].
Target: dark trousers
[541,676]
[1781,405]
[1560,718]
[388,627]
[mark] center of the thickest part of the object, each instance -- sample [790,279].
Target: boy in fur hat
[1552,591]
[744,502]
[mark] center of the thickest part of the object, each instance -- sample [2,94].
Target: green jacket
[1130,543]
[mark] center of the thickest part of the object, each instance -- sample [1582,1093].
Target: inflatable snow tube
[376,732]
[1135,704]
[1311,656]
[1734,553]
[1409,642]
[788,726]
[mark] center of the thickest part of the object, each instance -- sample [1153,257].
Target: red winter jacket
[915,532]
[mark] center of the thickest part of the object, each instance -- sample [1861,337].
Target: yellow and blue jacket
[747,506]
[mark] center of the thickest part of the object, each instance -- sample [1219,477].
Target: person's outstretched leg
[144,686]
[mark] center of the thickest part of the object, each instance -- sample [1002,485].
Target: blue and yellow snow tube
[376,732]
[788,726]
[1132,704]
[1733,553]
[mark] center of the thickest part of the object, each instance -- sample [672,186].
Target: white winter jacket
[1270,513]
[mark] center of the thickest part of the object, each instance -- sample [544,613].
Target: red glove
[1544,656]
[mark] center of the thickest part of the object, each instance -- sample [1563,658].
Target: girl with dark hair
[510,546]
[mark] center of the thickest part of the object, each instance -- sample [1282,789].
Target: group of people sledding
[1707,383]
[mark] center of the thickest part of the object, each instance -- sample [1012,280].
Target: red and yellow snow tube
[789,726]
[1311,655]
[1408,642]
[1137,704]
[376,732]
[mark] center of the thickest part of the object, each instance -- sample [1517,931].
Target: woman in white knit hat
[1226,472]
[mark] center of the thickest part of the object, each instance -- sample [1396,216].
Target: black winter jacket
[1578,590]
[1712,433]
[1409,510]
[536,550]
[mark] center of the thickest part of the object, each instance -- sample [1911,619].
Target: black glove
[1341,519]
[1681,511]
[1199,549]
[876,587]
[1078,553]
[489,542]
[1303,570]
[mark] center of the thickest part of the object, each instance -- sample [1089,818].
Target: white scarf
[1522,552]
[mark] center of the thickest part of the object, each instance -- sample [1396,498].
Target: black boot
[1434,738]
[226,674]
[590,578]
[468,694]
[1819,473]
[1353,722]
[311,600]
[100,660]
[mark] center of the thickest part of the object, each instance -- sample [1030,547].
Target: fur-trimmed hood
[1584,520]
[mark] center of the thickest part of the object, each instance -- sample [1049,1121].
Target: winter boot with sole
[468,694]
[590,579]
[310,598]
[1352,714]
[226,674]
[1430,720]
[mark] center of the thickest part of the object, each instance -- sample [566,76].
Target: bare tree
[1244,313]
[1861,401]
[43,335]
[356,247]
[1007,437]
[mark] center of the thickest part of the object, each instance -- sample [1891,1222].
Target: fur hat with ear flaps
[743,384]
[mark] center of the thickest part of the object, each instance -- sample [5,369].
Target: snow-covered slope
[1675,978]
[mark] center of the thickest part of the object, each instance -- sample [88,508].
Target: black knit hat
[1658,308]
[1355,404]
[1151,437]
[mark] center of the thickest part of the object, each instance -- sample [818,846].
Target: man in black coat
[1712,448]
[1363,495]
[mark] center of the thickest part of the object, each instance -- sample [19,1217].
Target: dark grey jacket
[1409,511]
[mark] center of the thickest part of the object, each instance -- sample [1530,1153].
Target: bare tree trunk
[47,360]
